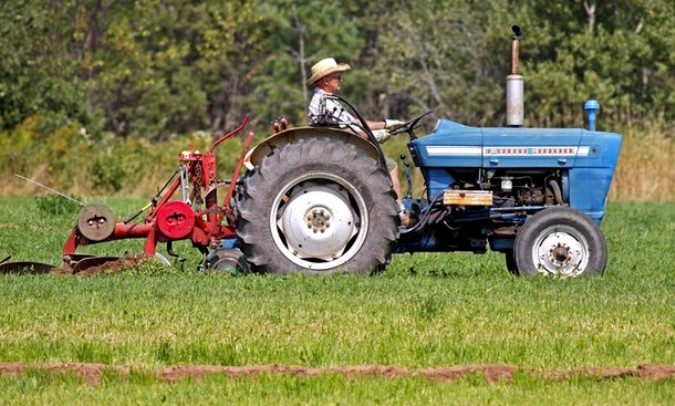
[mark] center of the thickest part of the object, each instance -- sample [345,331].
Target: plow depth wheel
[316,206]
[96,222]
[560,242]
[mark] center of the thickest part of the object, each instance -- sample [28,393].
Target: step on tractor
[319,199]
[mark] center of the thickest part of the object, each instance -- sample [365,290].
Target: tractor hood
[452,144]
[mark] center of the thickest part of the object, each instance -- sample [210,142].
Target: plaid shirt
[323,110]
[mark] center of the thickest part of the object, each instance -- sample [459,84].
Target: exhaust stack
[514,84]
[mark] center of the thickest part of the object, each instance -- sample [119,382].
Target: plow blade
[91,262]
[25,267]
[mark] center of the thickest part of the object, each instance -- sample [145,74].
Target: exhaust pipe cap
[591,106]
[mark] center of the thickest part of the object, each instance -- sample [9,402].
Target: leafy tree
[36,70]
[610,51]
[151,68]
[294,37]
[436,55]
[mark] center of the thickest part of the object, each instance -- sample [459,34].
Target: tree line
[152,69]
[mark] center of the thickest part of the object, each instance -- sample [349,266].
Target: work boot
[408,219]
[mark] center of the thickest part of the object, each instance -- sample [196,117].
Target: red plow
[186,208]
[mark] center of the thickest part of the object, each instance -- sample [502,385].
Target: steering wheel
[410,125]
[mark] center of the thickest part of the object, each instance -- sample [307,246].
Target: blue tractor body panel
[585,159]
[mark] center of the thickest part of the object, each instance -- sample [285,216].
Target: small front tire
[511,262]
[560,242]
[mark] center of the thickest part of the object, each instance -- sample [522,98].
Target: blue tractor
[319,200]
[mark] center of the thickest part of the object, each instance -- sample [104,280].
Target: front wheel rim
[319,221]
[561,251]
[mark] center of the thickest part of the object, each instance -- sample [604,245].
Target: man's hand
[382,135]
[388,123]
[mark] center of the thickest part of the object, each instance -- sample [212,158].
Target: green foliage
[441,60]
[55,205]
[59,154]
[107,174]
[69,160]
[594,52]
[154,69]
[294,37]
[38,73]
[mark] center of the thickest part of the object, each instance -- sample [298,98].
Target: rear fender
[257,153]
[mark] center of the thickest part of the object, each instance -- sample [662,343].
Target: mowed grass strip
[38,387]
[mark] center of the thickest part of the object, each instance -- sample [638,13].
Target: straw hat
[325,67]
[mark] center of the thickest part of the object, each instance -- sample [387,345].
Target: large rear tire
[317,206]
[560,242]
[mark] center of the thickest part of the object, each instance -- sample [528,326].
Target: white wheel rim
[318,221]
[561,251]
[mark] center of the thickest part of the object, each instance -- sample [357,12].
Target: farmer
[323,110]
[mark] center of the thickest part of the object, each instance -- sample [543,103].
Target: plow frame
[205,226]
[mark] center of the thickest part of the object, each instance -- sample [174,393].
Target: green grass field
[426,310]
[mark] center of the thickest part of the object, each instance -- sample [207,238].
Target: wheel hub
[561,252]
[317,222]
